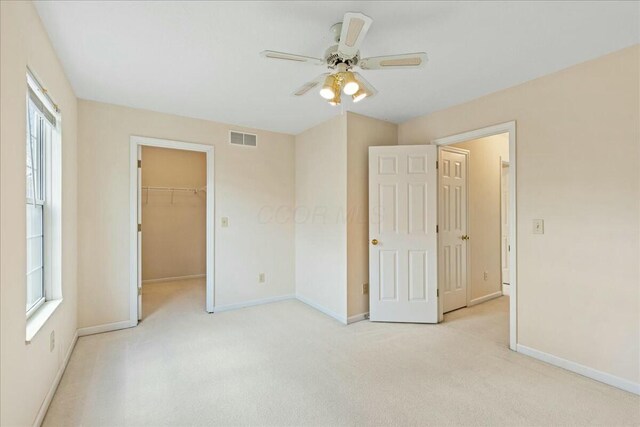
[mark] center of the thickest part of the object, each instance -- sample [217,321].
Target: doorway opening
[174,196]
[476,211]
[171,225]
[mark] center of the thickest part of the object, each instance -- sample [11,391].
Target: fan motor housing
[333,58]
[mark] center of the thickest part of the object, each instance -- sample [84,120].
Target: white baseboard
[586,371]
[172,279]
[357,318]
[98,329]
[506,289]
[228,307]
[56,381]
[341,319]
[485,298]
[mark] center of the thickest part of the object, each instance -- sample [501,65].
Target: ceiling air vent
[239,138]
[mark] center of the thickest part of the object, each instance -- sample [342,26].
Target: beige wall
[28,371]
[362,133]
[332,251]
[174,225]
[247,181]
[321,229]
[485,168]
[578,164]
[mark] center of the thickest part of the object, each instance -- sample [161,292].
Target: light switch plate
[538,226]
[261,278]
[225,222]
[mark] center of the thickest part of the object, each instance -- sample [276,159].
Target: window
[41,125]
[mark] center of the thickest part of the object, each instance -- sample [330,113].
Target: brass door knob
[374,242]
[465,237]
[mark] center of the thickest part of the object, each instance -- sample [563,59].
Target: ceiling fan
[343,57]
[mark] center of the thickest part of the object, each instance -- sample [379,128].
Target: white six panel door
[453,227]
[402,234]
[139,232]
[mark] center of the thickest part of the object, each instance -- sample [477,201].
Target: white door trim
[136,141]
[503,164]
[508,127]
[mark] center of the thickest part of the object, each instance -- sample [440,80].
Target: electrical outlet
[486,275]
[538,226]
[52,340]
[261,278]
[365,288]
[225,222]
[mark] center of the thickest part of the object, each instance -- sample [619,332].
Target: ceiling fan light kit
[328,90]
[359,95]
[351,85]
[342,80]
[335,100]
[343,57]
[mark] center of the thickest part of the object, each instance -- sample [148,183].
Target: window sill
[40,317]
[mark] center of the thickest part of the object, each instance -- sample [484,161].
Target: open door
[402,234]
[453,233]
[139,232]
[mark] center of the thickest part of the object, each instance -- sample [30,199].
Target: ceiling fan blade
[406,60]
[290,57]
[371,91]
[354,29]
[310,85]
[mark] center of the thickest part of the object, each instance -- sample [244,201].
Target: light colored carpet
[287,364]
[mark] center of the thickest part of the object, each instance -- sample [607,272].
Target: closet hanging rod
[192,190]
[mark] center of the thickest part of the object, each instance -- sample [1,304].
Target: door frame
[135,142]
[503,164]
[510,128]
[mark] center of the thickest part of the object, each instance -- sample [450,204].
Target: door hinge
[436,164]
[437,292]
[437,230]
[139,291]
[139,163]
[139,228]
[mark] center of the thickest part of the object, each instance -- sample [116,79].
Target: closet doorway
[171,243]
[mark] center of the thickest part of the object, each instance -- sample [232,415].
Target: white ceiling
[200,59]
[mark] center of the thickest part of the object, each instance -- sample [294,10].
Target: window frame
[49,196]
[38,146]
